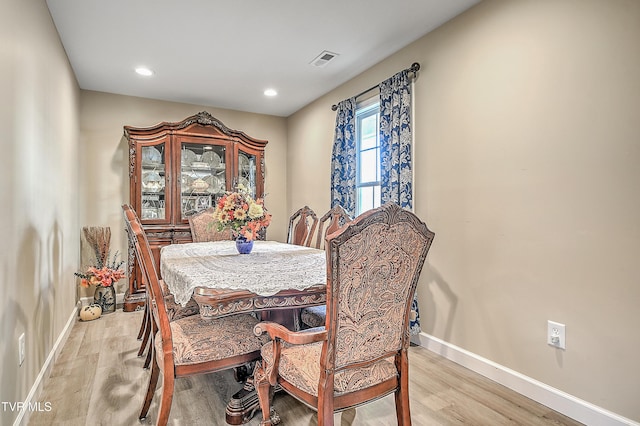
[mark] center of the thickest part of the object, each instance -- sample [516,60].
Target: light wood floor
[99,380]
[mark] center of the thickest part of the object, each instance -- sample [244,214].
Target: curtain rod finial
[334,107]
[415,67]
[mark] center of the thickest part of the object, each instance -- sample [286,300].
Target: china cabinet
[177,169]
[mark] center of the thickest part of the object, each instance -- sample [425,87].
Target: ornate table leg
[244,404]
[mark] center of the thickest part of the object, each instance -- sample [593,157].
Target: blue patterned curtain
[395,140]
[343,157]
[395,152]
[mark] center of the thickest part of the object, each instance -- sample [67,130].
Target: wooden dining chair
[190,345]
[175,310]
[373,265]
[302,225]
[203,229]
[337,216]
[333,219]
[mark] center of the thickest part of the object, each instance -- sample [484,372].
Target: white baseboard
[560,401]
[45,371]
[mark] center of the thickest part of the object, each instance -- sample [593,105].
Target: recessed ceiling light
[144,71]
[270,92]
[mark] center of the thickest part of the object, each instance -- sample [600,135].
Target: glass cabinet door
[203,176]
[153,187]
[247,171]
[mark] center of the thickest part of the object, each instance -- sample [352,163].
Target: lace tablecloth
[268,269]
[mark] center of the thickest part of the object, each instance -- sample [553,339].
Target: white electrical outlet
[21,349]
[556,334]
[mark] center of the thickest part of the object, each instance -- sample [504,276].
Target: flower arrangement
[105,272]
[242,214]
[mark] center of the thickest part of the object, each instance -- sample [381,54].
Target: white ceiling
[225,53]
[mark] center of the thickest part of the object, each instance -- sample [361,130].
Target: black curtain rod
[414,68]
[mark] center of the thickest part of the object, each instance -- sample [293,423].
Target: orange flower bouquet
[242,214]
[104,273]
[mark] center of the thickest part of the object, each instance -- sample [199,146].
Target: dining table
[273,276]
[276,280]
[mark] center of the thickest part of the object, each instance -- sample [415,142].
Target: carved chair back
[202,229]
[336,217]
[372,273]
[302,225]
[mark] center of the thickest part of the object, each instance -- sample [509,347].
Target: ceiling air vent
[323,59]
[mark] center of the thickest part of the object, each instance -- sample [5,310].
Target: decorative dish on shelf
[152,182]
[211,158]
[243,162]
[214,184]
[188,157]
[199,185]
[151,155]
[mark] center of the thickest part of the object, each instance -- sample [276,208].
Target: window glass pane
[368,198]
[368,158]
[368,132]
[368,166]
[368,143]
[376,196]
[365,198]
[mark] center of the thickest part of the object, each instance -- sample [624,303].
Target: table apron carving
[257,303]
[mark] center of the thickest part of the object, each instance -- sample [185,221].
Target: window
[368,156]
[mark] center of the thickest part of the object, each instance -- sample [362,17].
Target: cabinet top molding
[202,118]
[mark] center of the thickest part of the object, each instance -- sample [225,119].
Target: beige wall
[527,116]
[104,169]
[38,193]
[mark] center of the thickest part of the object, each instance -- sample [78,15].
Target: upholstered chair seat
[174,311]
[197,340]
[300,366]
[313,316]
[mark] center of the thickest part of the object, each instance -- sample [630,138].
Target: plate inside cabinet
[243,162]
[211,158]
[188,157]
[214,184]
[151,155]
